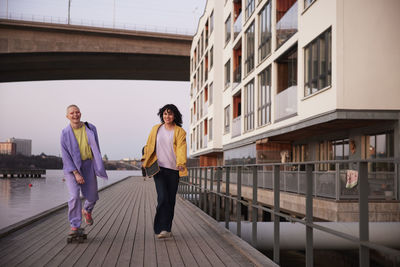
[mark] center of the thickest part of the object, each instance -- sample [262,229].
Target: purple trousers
[89,192]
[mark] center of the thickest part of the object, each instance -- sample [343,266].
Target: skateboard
[78,235]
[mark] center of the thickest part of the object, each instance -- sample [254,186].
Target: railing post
[254,209]
[309,216]
[219,178]
[195,187]
[227,184]
[337,181]
[238,202]
[205,195]
[276,210]
[363,203]
[200,204]
[212,196]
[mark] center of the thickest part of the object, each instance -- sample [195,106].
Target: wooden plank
[109,238]
[67,254]
[137,258]
[127,246]
[116,248]
[83,254]
[101,208]
[150,246]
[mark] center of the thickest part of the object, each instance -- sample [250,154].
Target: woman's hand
[79,178]
[181,168]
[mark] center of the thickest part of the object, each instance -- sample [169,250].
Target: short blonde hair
[73,106]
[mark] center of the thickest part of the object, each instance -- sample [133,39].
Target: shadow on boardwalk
[122,235]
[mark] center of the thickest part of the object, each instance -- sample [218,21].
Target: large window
[379,146]
[249,106]
[228,31]
[249,35]
[264,43]
[264,97]
[227,73]
[318,63]
[227,119]
[211,57]
[249,8]
[210,94]
[210,129]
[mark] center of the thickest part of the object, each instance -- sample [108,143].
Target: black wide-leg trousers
[166,181]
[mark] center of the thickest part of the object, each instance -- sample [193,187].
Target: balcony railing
[205,108]
[286,103]
[237,74]
[205,140]
[209,187]
[287,25]
[237,26]
[237,126]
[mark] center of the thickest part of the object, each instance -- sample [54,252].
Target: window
[318,63]
[210,129]
[264,45]
[227,73]
[210,94]
[191,115]
[211,22]
[201,104]
[287,70]
[379,146]
[249,106]
[249,8]
[307,3]
[201,134]
[264,97]
[227,119]
[249,37]
[211,57]
[191,141]
[228,31]
[198,104]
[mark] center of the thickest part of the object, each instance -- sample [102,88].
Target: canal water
[19,201]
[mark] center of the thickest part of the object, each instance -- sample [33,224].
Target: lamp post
[69,11]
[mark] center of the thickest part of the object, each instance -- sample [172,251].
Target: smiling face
[168,116]
[74,115]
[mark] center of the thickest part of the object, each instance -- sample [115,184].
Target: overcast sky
[123,111]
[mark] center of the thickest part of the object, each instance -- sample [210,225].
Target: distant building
[23,146]
[7,148]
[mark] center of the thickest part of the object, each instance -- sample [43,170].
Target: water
[18,201]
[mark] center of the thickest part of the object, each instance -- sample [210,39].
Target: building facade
[7,148]
[23,146]
[300,80]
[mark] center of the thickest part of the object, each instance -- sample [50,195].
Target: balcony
[237,74]
[205,108]
[237,126]
[286,103]
[287,25]
[237,26]
[205,140]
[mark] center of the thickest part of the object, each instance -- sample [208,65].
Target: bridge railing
[96,23]
[207,185]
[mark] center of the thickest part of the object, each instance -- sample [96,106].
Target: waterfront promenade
[122,235]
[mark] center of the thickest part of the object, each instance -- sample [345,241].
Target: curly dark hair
[174,110]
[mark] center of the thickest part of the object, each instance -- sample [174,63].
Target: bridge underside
[72,65]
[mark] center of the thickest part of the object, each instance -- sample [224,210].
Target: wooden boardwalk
[122,235]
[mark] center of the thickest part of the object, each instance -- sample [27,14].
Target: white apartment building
[275,80]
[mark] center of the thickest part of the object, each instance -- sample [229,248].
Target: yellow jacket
[149,156]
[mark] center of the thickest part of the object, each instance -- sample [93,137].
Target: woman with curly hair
[165,152]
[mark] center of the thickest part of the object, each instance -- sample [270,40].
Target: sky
[122,110]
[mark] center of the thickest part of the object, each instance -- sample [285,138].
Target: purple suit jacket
[71,155]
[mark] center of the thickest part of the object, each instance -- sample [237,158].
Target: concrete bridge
[31,51]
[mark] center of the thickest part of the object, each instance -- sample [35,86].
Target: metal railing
[204,185]
[96,23]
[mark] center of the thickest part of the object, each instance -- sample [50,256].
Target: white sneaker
[164,234]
